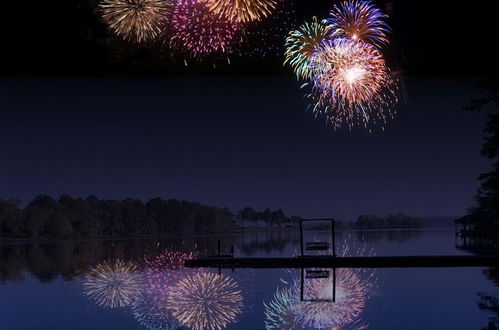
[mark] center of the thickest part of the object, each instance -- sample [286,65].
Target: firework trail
[205,301]
[199,31]
[359,20]
[241,11]
[136,20]
[301,45]
[265,38]
[352,85]
[113,285]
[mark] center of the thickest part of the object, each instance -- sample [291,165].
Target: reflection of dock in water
[320,265]
[330,260]
[346,262]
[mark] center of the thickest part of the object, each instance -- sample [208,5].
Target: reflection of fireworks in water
[137,20]
[168,260]
[352,84]
[205,301]
[301,44]
[278,314]
[353,289]
[152,314]
[162,272]
[241,10]
[113,285]
[351,295]
[286,311]
[198,31]
[358,20]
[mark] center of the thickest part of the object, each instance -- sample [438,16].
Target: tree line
[68,217]
[398,220]
[269,217]
[79,218]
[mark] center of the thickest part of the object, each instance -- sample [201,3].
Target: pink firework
[197,30]
[169,260]
[352,83]
[164,270]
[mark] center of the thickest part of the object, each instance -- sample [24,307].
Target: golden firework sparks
[241,10]
[113,285]
[205,301]
[136,20]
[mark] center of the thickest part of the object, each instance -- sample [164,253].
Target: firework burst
[355,71]
[113,285]
[241,11]
[301,45]
[199,31]
[136,20]
[359,20]
[205,301]
[352,84]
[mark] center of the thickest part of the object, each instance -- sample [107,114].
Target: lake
[141,284]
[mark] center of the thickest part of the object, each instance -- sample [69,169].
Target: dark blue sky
[237,141]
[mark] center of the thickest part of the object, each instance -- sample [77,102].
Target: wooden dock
[346,262]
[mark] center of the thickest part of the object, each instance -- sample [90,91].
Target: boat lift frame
[317,273]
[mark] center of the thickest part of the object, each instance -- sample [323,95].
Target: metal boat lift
[317,274]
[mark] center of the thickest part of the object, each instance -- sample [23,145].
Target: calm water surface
[141,284]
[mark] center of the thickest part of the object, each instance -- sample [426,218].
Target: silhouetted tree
[11,218]
[266,216]
[487,197]
[278,217]
[46,218]
[133,213]
[249,213]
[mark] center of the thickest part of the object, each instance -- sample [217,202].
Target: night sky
[77,120]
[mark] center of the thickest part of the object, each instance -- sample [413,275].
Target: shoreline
[239,231]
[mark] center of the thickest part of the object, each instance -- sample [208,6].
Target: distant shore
[238,231]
